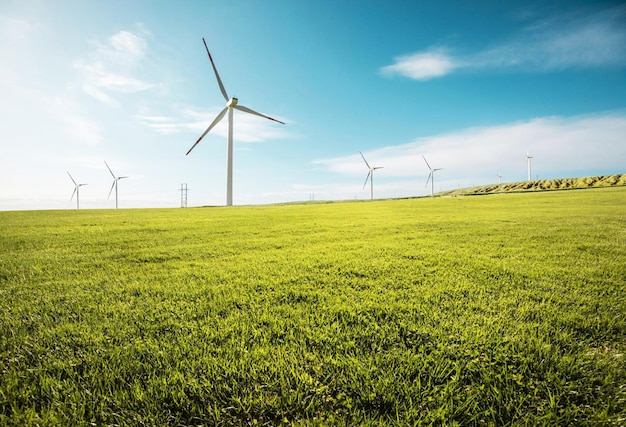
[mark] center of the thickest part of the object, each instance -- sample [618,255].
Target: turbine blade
[368,165]
[247,110]
[366,178]
[219,81]
[427,163]
[111,190]
[121,177]
[75,189]
[215,121]
[109,169]
[71,178]
[429,176]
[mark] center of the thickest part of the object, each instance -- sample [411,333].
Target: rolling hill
[541,185]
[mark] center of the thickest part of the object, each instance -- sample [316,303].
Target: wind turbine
[431,177]
[115,180]
[231,103]
[528,157]
[499,178]
[76,191]
[370,176]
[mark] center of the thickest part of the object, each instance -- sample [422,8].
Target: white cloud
[76,125]
[113,66]
[100,95]
[32,112]
[585,41]
[14,30]
[582,41]
[246,127]
[126,45]
[586,144]
[15,35]
[100,77]
[422,66]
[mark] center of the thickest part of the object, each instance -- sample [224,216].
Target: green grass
[498,310]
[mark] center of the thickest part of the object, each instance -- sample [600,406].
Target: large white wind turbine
[231,103]
[431,177]
[499,178]
[370,176]
[528,157]
[76,191]
[115,180]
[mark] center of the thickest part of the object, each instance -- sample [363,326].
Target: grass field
[495,310]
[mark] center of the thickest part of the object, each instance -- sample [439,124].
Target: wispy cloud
[247,128]
[559,145]
[124,46]
[112,67]
[568,41]
[76,124]
[13,29]
[15,36]
[32,112]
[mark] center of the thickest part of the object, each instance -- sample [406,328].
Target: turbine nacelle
[232,102]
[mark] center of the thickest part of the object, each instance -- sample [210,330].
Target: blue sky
[473,86]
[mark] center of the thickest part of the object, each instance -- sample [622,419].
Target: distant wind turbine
[76,191]
[231,103]
[370,176]
[431,177]
[499,178]
[528,157]
[115,180]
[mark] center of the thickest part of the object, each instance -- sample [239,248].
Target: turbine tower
[76,191]
[431,177]
[370,176]
[231,103]
[115,180]
[528,157]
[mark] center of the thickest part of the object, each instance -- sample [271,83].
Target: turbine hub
[232,102]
